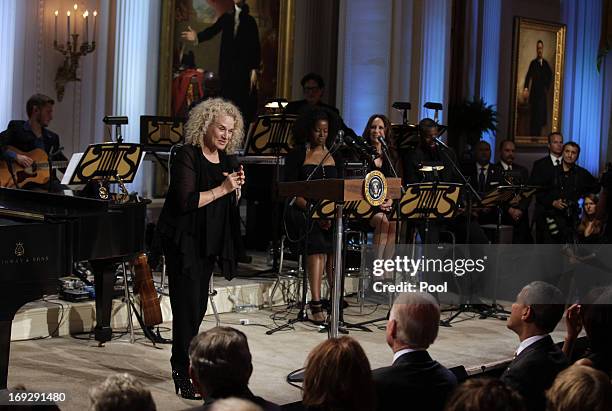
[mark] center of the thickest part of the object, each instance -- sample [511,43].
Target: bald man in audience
[414,381]
[537,360]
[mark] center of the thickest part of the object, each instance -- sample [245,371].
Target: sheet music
[74,161]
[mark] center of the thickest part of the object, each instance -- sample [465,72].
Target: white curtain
[583,84]
[435,59]
[136,70]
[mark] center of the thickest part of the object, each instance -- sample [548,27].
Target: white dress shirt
[555,160]
[402,352]
[527,342]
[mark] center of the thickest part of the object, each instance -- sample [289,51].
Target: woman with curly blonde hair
[198,221]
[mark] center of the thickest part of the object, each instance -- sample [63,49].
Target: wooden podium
[339,191]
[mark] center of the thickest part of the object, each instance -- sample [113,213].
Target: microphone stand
[301,316]
[472,194]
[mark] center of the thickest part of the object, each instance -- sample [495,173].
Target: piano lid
[40,205]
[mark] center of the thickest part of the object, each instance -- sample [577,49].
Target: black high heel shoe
[183,384]
[318,317]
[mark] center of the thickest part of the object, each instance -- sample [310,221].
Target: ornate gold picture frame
[276,39]
[538,54]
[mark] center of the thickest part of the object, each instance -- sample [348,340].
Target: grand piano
[43,234]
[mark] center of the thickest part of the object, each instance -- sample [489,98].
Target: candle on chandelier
[75,18]
[55,29]
[68,24]
[86,17]
[95,14]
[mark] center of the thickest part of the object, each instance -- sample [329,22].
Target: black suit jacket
[413,159]
[534,370]
[491,178]
[543,172]
[414,382]
[238,55]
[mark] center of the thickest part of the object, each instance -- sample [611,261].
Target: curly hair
[205,113]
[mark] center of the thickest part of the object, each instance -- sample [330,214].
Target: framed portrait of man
[236,49]
[537,76]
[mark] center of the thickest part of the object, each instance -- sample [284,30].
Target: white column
[136,69]
[8,24]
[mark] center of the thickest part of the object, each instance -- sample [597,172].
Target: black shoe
[327,305]
[183,384]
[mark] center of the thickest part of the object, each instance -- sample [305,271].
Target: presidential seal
[375,188]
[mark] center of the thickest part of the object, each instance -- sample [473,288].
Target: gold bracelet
[213,193]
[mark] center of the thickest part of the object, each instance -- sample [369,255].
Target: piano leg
[5,350]
[104,276]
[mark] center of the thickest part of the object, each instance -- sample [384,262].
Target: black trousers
[188,300]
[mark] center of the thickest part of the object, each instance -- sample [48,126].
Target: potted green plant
[468,120]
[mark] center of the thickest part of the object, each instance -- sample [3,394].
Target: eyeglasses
[315,88]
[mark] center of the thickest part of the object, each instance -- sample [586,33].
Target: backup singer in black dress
[314,127]
[378,126]
[198,222]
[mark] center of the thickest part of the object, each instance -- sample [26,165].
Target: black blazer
[414,382]
[491,179]
[534,370]
[543,172]
[521,177]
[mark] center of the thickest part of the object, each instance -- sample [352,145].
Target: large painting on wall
[184,62]
[537,57]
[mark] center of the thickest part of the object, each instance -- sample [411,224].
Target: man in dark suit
[221,366]
[515,213]
[414,381]
[542,172]
[537,83]
[32,134]
[239,54]
[537,361]
[484,177]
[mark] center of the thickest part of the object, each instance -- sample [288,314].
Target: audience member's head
[537,310]
[338,377]
[484,394]
[482,152]
[506,151]
[220,362]
[571,152]
[313,87]
[555,143]
[580,388]
[413,321]
[121,392]
[597,319]
[234,404]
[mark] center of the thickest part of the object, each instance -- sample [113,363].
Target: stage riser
[40,318]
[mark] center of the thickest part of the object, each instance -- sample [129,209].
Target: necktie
[481,180]
[558,162]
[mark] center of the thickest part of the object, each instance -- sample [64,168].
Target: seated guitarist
[32,134]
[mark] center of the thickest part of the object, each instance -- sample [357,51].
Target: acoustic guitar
[39,172]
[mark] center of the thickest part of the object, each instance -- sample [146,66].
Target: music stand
[425,201]
[499,198]
[271,136]
[106,163]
